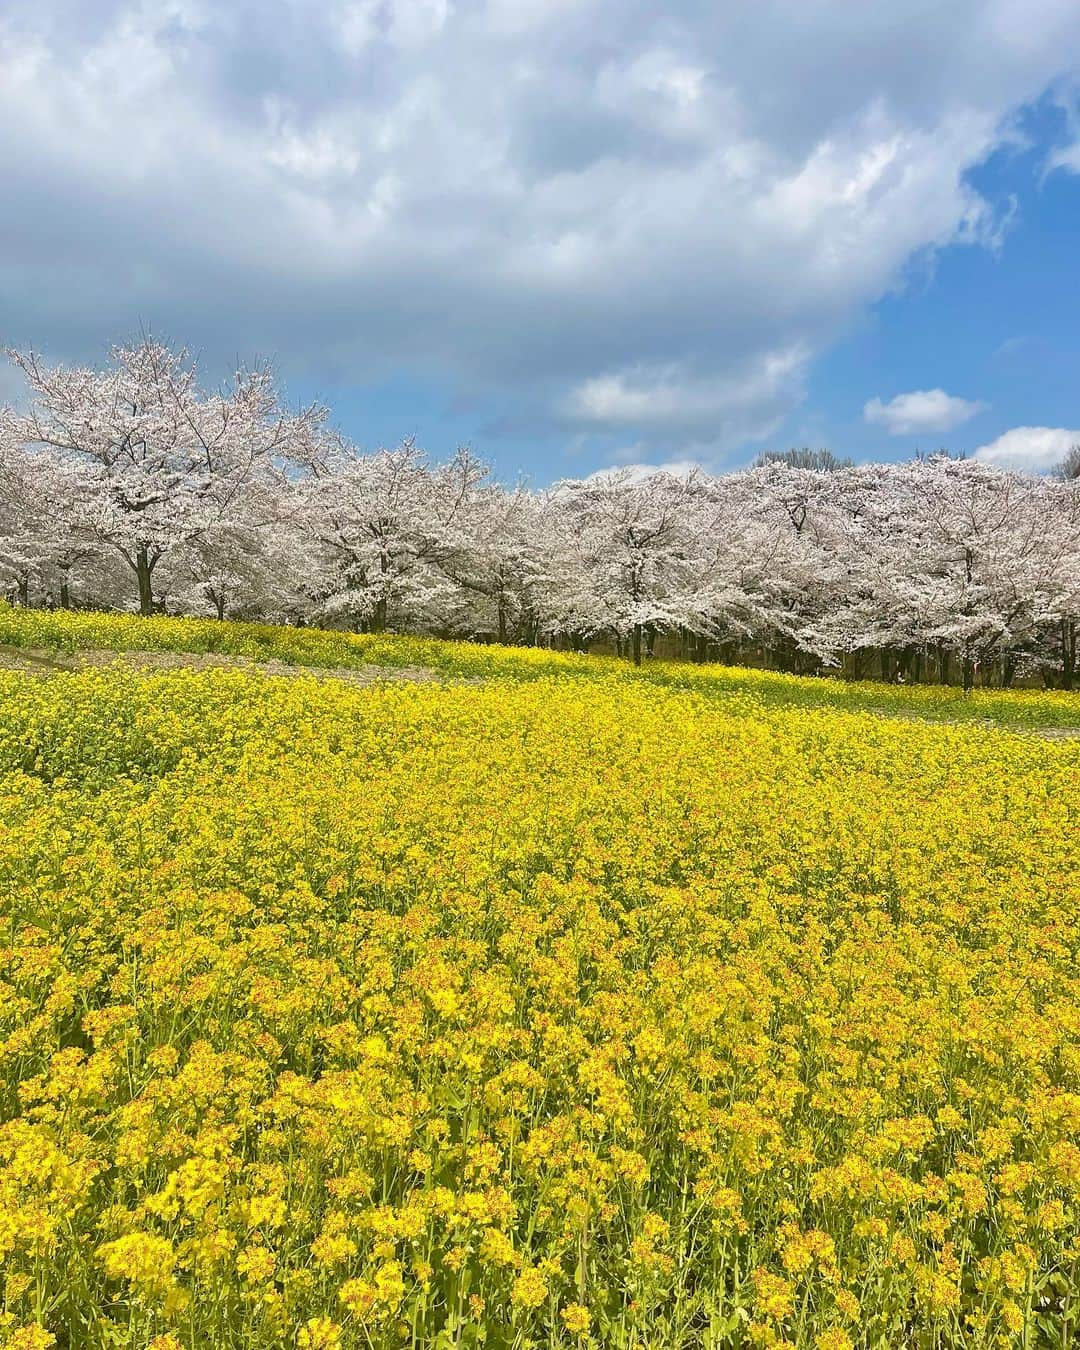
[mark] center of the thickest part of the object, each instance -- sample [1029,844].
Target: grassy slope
[60,631]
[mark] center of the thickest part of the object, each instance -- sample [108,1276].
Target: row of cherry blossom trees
[132,487]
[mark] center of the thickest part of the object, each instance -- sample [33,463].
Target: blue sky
[997,323]
[998,326]
[568,233]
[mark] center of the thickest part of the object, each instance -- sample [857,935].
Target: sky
[570,233]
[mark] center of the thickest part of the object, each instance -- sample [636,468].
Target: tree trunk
[886,665]
[65,591]
[528,628]
[1068,652]
[24,590]
[143,569]
[637,644]
[911,664]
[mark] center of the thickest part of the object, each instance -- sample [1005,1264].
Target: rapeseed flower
[609,1009]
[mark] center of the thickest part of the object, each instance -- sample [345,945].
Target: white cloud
[1035,448]
[616,219]
[1066,157]
[922,410]
[636,471]
[361,23]
[739,405]
[1013,345]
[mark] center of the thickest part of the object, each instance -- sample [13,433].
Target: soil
[39,662]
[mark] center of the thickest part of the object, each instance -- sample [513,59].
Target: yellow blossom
[530,1288]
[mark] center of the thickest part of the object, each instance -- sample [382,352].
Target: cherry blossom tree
[378,520]
[499,547]
[633,551]
[226,503]
[164,461]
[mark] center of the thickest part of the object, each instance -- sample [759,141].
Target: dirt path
[37,661]
[34,661]
[1050,733]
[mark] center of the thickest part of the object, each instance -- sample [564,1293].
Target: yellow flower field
[539,1012]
